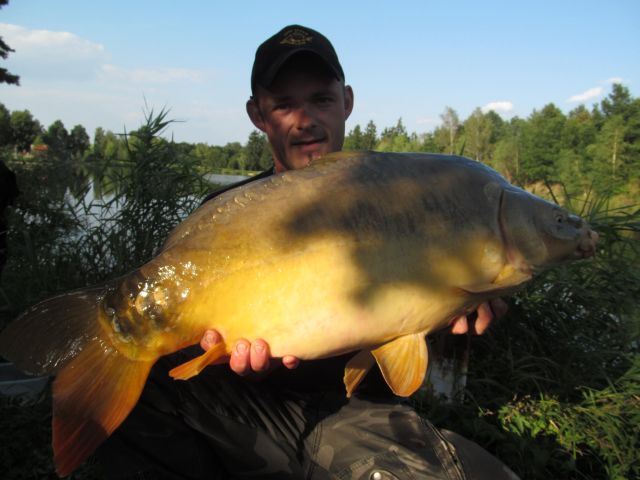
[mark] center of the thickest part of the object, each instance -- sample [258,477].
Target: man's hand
[247,357]
[487,311]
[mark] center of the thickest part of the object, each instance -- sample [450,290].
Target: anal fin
[356,369]
[403,363]
[194,366]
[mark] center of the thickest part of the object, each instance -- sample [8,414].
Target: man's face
[303,115]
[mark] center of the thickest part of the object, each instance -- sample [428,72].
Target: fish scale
[360,252]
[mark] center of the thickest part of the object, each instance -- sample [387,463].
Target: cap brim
[270,74]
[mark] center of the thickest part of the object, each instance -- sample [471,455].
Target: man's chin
[304,159]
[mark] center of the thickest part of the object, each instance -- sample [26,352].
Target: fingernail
[209,338]
[241,348]
[258,347]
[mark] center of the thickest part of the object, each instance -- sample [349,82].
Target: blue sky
[95,63]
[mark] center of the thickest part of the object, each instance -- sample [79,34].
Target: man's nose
[305,119]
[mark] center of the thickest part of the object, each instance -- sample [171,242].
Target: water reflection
[98,218]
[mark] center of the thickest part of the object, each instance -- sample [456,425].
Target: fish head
[538,234]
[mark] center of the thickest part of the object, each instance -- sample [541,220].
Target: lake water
[224,179]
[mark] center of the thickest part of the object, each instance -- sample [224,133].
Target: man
[296,422]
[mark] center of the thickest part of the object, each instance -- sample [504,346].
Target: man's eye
[282,106]
[324,100]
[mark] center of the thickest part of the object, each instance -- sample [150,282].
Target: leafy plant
[62,238]
[554,388]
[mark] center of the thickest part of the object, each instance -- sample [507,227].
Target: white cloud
[428,121]
[503,106]
[150,75]
[66,77]
[49,46]
[48,56]
[612,80]
[590,94]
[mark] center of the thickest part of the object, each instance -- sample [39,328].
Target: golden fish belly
[318,302]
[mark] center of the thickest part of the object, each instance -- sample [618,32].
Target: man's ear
[254,113]
[348,101]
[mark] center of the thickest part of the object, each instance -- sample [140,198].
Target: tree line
[597,149]
[587,149]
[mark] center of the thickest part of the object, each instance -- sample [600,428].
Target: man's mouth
[308,142]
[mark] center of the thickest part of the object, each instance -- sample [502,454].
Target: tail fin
[92,395]
[51,333]
[96,386]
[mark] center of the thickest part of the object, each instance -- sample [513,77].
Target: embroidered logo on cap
[296,37]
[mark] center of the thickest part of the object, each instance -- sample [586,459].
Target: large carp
[364,252]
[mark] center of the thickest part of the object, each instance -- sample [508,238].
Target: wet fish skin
[363,252]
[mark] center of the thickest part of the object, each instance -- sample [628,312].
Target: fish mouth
[587,246]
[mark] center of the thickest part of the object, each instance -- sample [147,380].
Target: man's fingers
[259,356]
[246,357]
[209,339]
[485,316]
[239,361]
[460,325]
[290,362]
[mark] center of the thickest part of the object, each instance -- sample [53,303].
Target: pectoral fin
[509,276]
[194,366]
[356,369]
[403,363]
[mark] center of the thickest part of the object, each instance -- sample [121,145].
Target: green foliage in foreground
[553,389]
[67,234]
[25,436]
[62,238]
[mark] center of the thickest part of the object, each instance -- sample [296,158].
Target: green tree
[5,126]
[477,136]
[579,130]
[618,102]
[359,140]
[57,139]
[498,126]
[610,154]
[5,76]
[79,141]
[114,147]
[542,143]
[353,141]
[234,156]
[447,135]
[507,156]
[395,139]
[24,129]
[370,136]
[257,151]
[426,142]
[572,165]
[98,142]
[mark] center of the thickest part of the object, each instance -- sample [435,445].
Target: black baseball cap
[279,48]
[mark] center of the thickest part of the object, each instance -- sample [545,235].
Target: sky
[106,63]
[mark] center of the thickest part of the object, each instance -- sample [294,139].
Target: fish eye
[560,217]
